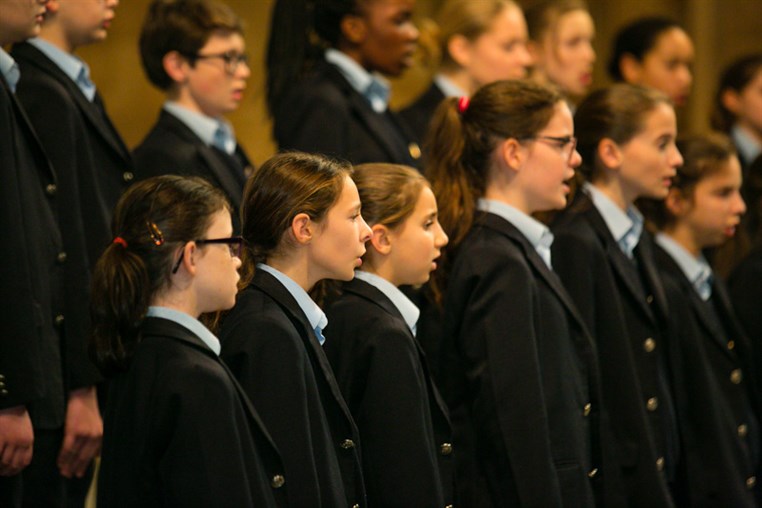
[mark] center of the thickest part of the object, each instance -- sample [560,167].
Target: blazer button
[356,505]
[2,384]
[652,404]
[3,393]
[347,444]
[2,377]
[742,430]
[650,299]
[445,449]
[61,257]
[128,176]
[448,506]
[649,345]
[415,151]
[59,319]
[736,376]
[731,344]
[660,464]
[751,482]
[587,409]
[50,189]
[277,481]
[593,473]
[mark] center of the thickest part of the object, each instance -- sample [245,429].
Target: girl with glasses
[302,224]
[379,365]
[179,430]
[627,141]
[517,364]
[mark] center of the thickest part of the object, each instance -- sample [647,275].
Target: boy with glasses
[193,50]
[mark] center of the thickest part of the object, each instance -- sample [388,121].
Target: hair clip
[463,103]
[121,241]
[156,235]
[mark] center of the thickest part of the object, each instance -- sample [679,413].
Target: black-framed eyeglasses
[230,59]
[234,243]
[567,144]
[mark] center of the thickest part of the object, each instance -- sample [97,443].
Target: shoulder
[257,318]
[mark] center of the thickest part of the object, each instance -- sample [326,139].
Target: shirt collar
[315,314]
[410,313]
[189,322]
[9,69]
[212,131]
[747,146]
[625,227]
[448,87]
[696,270]
[373,87]
[533,230]
[73,67]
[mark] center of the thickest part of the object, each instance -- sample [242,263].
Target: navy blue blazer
[523,380]
[324,114]
[180,431]
[625,310]
[403,421]
[271,348]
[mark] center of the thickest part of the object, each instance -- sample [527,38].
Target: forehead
[224,41]
[673,41]
[561,120]
[509,22]
[661,119]
[577,22]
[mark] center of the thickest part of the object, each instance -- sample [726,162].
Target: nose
[590,52]
[676,159]
[413,33]
[576,159]
[740,204]
[365,231]
[243,70]
[525,58]
[441,239]
[237,262]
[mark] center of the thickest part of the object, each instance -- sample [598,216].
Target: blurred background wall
[722,31]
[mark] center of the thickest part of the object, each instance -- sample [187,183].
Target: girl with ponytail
[324,91]
[521,378]
[178,429]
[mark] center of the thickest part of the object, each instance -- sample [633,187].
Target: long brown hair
[153,219]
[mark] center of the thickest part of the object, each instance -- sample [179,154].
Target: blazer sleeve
[394,418]
[498,337]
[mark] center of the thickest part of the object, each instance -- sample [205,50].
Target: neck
[296,267]
[354,53]
[55,35]
[178,300]
[751,131]
[183,97]
[381,266]
[462,80]
[501,187]
[684,236]
[612,188]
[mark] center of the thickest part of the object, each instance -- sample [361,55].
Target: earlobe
[674,202]
[458,47]
[629,67]
[175,66]
[353,29]
[188,261]
[609,153]
[302,228]
[513,154]
[381,239]
[729,99]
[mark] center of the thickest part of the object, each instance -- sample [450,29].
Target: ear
[459,49]
[302,228]
[380,238]
[512,154]
[676,203]
[609,153]
[630,68]
[354,29]
[176,66]
[52,7]
[188,262]
[729,98]
[535,52]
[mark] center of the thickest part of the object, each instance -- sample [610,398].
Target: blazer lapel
[93,111]
[271,286]
[230,183]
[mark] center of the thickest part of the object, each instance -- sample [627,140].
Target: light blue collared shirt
[747,146]
[448,88]
[409,311]
[373,87]
[315,314]
[625,227]
[73,67]
[212,131]
[9,69]
[533,230]
[696,270]
[189,322]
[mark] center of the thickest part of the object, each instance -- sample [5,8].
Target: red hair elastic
[463,103]
[121,241]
